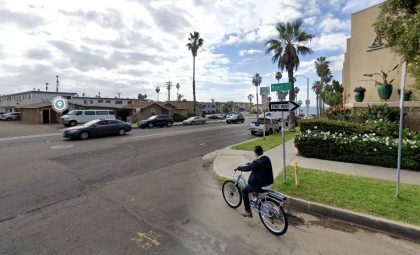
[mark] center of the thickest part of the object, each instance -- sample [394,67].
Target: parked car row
[8,116]
[111,126]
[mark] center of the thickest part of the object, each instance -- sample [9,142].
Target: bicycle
[268,204]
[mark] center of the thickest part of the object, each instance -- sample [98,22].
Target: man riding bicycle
[259,180]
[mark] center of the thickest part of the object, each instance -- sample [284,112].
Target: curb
[393,228]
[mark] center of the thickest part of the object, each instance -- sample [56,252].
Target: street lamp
[307,94]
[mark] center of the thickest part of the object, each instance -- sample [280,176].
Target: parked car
[269,126]
[75,117]
[276,116]
[156,121]
[217,116]
[95,128]
[10,116]
[235,118]
[194,121]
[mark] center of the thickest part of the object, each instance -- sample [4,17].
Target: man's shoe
[247,213]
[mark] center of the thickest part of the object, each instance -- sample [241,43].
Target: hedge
[335,126]
[367,149]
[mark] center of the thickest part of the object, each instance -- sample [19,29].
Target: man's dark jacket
[261,172]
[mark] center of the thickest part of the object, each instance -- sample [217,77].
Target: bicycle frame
[260,198]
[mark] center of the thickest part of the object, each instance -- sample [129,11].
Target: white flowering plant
[368,148]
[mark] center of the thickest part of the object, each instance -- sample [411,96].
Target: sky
[132,46]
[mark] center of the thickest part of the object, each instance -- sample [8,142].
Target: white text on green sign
[281,86]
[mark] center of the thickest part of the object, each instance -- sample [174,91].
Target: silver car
[10,116]
[194,121]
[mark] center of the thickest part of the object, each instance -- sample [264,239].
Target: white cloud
[357,5]
[249,52]
[331,24]
[130,46]
[330,42]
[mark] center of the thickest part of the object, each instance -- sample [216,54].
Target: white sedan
[197,120]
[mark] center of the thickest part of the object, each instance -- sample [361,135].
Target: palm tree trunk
[257,100]
[317,105]
[195,111]
[292,116]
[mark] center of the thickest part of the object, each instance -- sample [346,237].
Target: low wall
[411,111]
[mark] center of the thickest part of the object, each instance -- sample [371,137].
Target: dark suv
[156,121]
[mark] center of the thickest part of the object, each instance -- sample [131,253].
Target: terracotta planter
[384,91]
[359,96]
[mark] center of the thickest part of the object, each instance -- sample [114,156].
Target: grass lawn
[270,141]
[359,194]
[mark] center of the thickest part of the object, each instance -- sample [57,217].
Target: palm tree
[157,89]
[256,80]
[168,87]
[177,88]
[296,89]
[278,76]
[317,88]
[286,48]
[195,43]
[250,97]
[322,67]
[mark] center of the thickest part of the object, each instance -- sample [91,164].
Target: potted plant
[384,86]
[407,94]
[359,94]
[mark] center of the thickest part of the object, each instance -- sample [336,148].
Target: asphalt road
[147,193]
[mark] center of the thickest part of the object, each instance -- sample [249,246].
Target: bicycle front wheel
[273,216]
[231,194]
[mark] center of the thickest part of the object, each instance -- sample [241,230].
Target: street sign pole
[264,125]
[284,106]
[284,147]
[400,127]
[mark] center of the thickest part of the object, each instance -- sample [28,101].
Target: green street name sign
[281,86]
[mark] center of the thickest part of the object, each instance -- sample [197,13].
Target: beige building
[364,55]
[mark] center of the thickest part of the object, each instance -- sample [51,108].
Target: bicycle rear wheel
[231,194]
[273,216]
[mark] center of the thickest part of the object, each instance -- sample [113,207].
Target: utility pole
[119,94]
[46,86]
[58,84]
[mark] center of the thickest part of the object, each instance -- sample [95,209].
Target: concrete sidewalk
[228,159]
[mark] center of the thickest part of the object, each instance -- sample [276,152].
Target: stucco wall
[359,61]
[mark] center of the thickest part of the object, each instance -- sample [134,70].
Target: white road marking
[28,136]
[62,146]
[203,144]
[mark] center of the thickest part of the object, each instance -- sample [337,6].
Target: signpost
[281,86]
[264,91]
[285,106]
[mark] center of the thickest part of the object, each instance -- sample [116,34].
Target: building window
[30,96]
[118,102]
[85,101]
[108,101]
[91,101]
[153,110]
[100,101]
[129,102]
